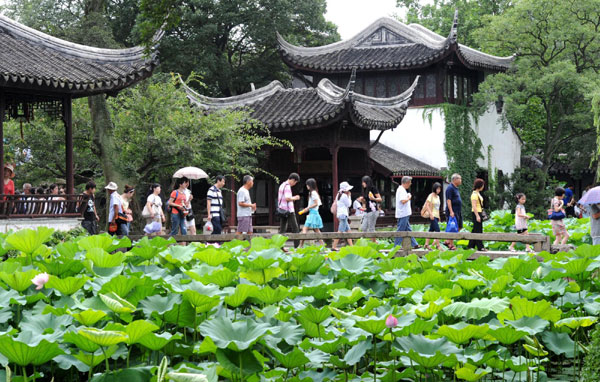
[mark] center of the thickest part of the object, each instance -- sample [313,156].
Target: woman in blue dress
[313,220]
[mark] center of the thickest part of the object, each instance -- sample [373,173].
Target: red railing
[39,206]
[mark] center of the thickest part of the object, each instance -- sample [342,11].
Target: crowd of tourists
[367,205]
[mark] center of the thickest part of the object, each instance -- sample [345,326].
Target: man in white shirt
[403,209]
[245,206]
[214,205]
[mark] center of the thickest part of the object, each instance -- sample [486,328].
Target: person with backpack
[88,209]
[177,206]
[285,206]
[341,208]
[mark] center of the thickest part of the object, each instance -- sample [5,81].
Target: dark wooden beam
[2,109]
[68,121]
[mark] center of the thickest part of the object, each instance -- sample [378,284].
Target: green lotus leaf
[212,256]
[222,277]
[419,281]
[327,346]
[477,308]
[520,268]
[17,280]
[138,329]
[80,341]
[25,350]
[356,353]
[506,335]
[344,297]
[45,324]
[104,242]
[576,322]
[236,336]
[521,307]
[239,296]
[517,364]
[292,360]
[206,347]
[186,377]
[428,353]
[94,359]
[535,351]
[533,290]
[469,282]
[560,343]
[68,285]
[373,326]
[411,324]
[104,338]
[178,254]
[461,332]
[28,240]
[431,309]
[352,264]
[432,295]
[471,373]
[269,296]
[262,276]
[11,297]
[314,315]
[236,363]
[361,250]
[308,264]
[156,342]
[200,301]
[260,243]
[103,259]
[121,285]
[159,304]
[574,267]
[116,303]
[132,374]
[64,268]
[259,260]
[531,325]
[501,283]
[368,307]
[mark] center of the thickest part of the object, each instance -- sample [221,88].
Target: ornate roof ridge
[124,55]
[233,101]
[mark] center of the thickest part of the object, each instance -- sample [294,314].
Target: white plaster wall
[417,138]
[59,224]
[422,140]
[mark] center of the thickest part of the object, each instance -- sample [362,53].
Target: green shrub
[591,366]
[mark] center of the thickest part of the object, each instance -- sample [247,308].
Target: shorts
[190,223]
[368,221]
[344,226]
[558,227]
[244,224]
[434,225]
[521,230]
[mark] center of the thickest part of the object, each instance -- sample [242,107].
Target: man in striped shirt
[214,205]
[285,206]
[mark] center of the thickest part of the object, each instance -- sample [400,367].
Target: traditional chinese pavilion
[344,129]
[43,74]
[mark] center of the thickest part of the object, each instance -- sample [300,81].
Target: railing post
[406,245]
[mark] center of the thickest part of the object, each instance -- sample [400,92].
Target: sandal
[512,250]
[427,247]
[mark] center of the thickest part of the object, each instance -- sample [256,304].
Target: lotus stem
[241,367]
[105,359]
[374,359]
[24,373]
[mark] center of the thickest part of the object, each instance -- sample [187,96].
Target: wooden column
[68,121]
[335,181]
[271,203]
[2,112]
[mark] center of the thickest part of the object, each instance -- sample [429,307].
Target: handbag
[452,225]
[112,227]
[122,218]
[553,215]
[483,215]
[146,213]
[280,211]
[425,211]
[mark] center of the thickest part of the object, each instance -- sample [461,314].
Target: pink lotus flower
[391,321]
[40,280]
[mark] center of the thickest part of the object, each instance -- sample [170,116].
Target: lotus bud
[391,321]
[40,280]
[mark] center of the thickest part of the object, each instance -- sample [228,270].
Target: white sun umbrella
[190,173]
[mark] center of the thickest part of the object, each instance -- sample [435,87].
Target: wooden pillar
[2,112]
[335,182]
[68,121]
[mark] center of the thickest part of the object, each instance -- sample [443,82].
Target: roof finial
[453,36]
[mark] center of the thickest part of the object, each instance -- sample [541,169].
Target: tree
[233,43]
[439,15]
[558,56]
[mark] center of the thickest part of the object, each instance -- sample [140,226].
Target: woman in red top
[9,185]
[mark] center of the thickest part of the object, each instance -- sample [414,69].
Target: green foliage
[463,149]
[592,359]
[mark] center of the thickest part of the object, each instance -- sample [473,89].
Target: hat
[11,168]
[111,186]
[345,186]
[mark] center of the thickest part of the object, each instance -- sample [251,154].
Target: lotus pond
[247,311]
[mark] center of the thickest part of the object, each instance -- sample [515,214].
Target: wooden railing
[39,206]
[540,242]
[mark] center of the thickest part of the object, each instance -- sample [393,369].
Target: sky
[352,16]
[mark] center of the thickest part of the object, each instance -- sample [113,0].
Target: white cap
[111,186]
[345,186]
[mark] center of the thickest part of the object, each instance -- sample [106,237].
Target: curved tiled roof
[294,109]
[389,44]
[32,59]
[400,164]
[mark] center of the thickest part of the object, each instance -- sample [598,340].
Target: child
[313,220]
[520,220]
[359,206]
[558,225]
[343,210]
